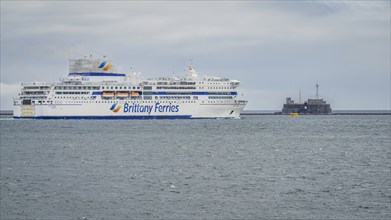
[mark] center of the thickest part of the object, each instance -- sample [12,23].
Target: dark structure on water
[311,106]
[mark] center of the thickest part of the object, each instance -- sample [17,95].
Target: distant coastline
[334,112]
[6,112]
[276,112]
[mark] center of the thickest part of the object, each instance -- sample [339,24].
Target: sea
[256,167]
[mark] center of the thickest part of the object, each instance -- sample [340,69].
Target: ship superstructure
[94,89]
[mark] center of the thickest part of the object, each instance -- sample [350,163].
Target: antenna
[317,91]
[300,96]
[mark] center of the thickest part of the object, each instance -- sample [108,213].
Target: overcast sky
[274,48]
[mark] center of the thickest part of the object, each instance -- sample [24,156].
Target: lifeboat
[134,93]
[122,94]
[107,94]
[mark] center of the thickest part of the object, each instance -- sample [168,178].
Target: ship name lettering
[166,108]
[136,108]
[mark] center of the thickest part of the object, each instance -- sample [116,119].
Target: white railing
[37,84]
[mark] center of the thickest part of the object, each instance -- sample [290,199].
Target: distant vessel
[294,114]
[315,106]
[95,90]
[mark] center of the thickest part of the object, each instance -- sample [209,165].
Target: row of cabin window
[74,97]
[33,97]
[156,97]
[145,97]
[42,102]
[35,87]
[141,102]
[120,87]
[187,83]
[214,102]
[172,97]
[76,87]
[214,83]
[94,87]
[80,102]
[216,87]
[175,87]
[220,97]
[174,83]
[35,93]
[168,102]
[72,93]
[187,93]
[217,83]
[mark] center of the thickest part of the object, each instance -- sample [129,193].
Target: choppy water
[312,167]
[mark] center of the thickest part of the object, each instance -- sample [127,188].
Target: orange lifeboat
[107,94]
[122,94]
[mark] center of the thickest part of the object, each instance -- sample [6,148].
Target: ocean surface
[257,167]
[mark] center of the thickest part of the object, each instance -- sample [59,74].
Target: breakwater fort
[334,112]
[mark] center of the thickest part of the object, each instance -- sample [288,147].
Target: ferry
[94,89]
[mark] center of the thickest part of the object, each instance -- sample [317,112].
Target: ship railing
[33,97]
[26,89]
[241,102]
[216,79]
[28,93]
[70,81]
[104,83]
[37,84]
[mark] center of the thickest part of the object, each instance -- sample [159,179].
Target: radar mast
[192,71]
[317,91]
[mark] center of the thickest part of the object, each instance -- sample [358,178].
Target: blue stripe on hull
[110,117]
[96,74]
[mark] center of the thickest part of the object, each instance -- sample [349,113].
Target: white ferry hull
[148,111]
